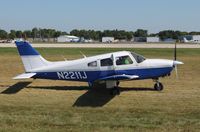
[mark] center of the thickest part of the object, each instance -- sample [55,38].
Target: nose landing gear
[158,85]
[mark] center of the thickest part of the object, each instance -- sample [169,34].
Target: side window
[106,62]
[138,58]
[92,64]
[123,60]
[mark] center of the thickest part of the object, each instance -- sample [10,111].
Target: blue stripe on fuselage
[91,76]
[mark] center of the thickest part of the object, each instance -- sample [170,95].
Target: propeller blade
[177,63]
[175,52]
[176,71]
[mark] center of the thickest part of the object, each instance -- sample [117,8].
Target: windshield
[138,58]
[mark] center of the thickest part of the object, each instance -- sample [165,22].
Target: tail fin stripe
[25,49]
[30,57]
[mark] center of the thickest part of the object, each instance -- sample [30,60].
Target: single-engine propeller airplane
[110,68]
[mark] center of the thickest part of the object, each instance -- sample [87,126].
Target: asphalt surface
[99,45]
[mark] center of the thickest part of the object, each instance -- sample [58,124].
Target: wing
[24,76]
[119,77]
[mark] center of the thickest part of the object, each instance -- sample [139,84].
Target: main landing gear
[115,90]
[158,85]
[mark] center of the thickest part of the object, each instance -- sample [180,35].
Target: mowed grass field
[46,105]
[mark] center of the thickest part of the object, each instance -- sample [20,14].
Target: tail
[185,40]
[30,57]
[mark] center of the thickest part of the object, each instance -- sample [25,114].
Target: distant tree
[171,34]
[3,34]
[35,32]
[75,32]
[19,34]
[92,34]
[64,33]
[141,33]
[57,34]
[118,34]
[27,34]
[12,34]
[166,34]
[153,35]
[183,33]
[129,35]
[107,33]
[194,33]
[98,35]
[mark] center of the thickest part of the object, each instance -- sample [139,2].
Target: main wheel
[118,83]
[115,91]
[158,86]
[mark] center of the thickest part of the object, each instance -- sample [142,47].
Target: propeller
[175,52]
[175,63]
[176,70]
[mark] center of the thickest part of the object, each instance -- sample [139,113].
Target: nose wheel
[158,86]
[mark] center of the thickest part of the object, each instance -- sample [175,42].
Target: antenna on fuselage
[83,54]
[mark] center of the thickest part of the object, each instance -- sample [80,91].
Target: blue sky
[65,15]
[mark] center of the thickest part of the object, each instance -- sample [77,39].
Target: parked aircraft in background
[190,41]
[110,68]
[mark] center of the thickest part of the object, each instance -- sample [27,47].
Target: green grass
[45,105]
[96,51]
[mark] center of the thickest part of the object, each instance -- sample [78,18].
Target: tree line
[91,34]
[34,33]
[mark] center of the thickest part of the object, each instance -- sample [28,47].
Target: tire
[115,91]
[118,83]
[158,86]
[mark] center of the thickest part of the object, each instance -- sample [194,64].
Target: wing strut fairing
[120,77]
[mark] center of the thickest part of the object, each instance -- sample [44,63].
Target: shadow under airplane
[97,97]
[60,87]
[16,88]
[94,97]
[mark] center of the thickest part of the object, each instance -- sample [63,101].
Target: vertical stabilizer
[30,57]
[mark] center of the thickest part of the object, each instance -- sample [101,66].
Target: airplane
[190,41]
[109,69]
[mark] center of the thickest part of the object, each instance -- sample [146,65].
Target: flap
[120,77]
[24,76]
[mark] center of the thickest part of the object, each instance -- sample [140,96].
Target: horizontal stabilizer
[24,76]
[120,77]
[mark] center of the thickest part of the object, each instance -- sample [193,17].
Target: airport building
[169,40]
[153,39]
[139,39]
[67,38]
[108,39]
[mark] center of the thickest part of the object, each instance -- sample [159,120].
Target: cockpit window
[123,60]
[92,64]
[138,58]
[107,62]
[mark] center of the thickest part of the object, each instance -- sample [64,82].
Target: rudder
[30,57]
